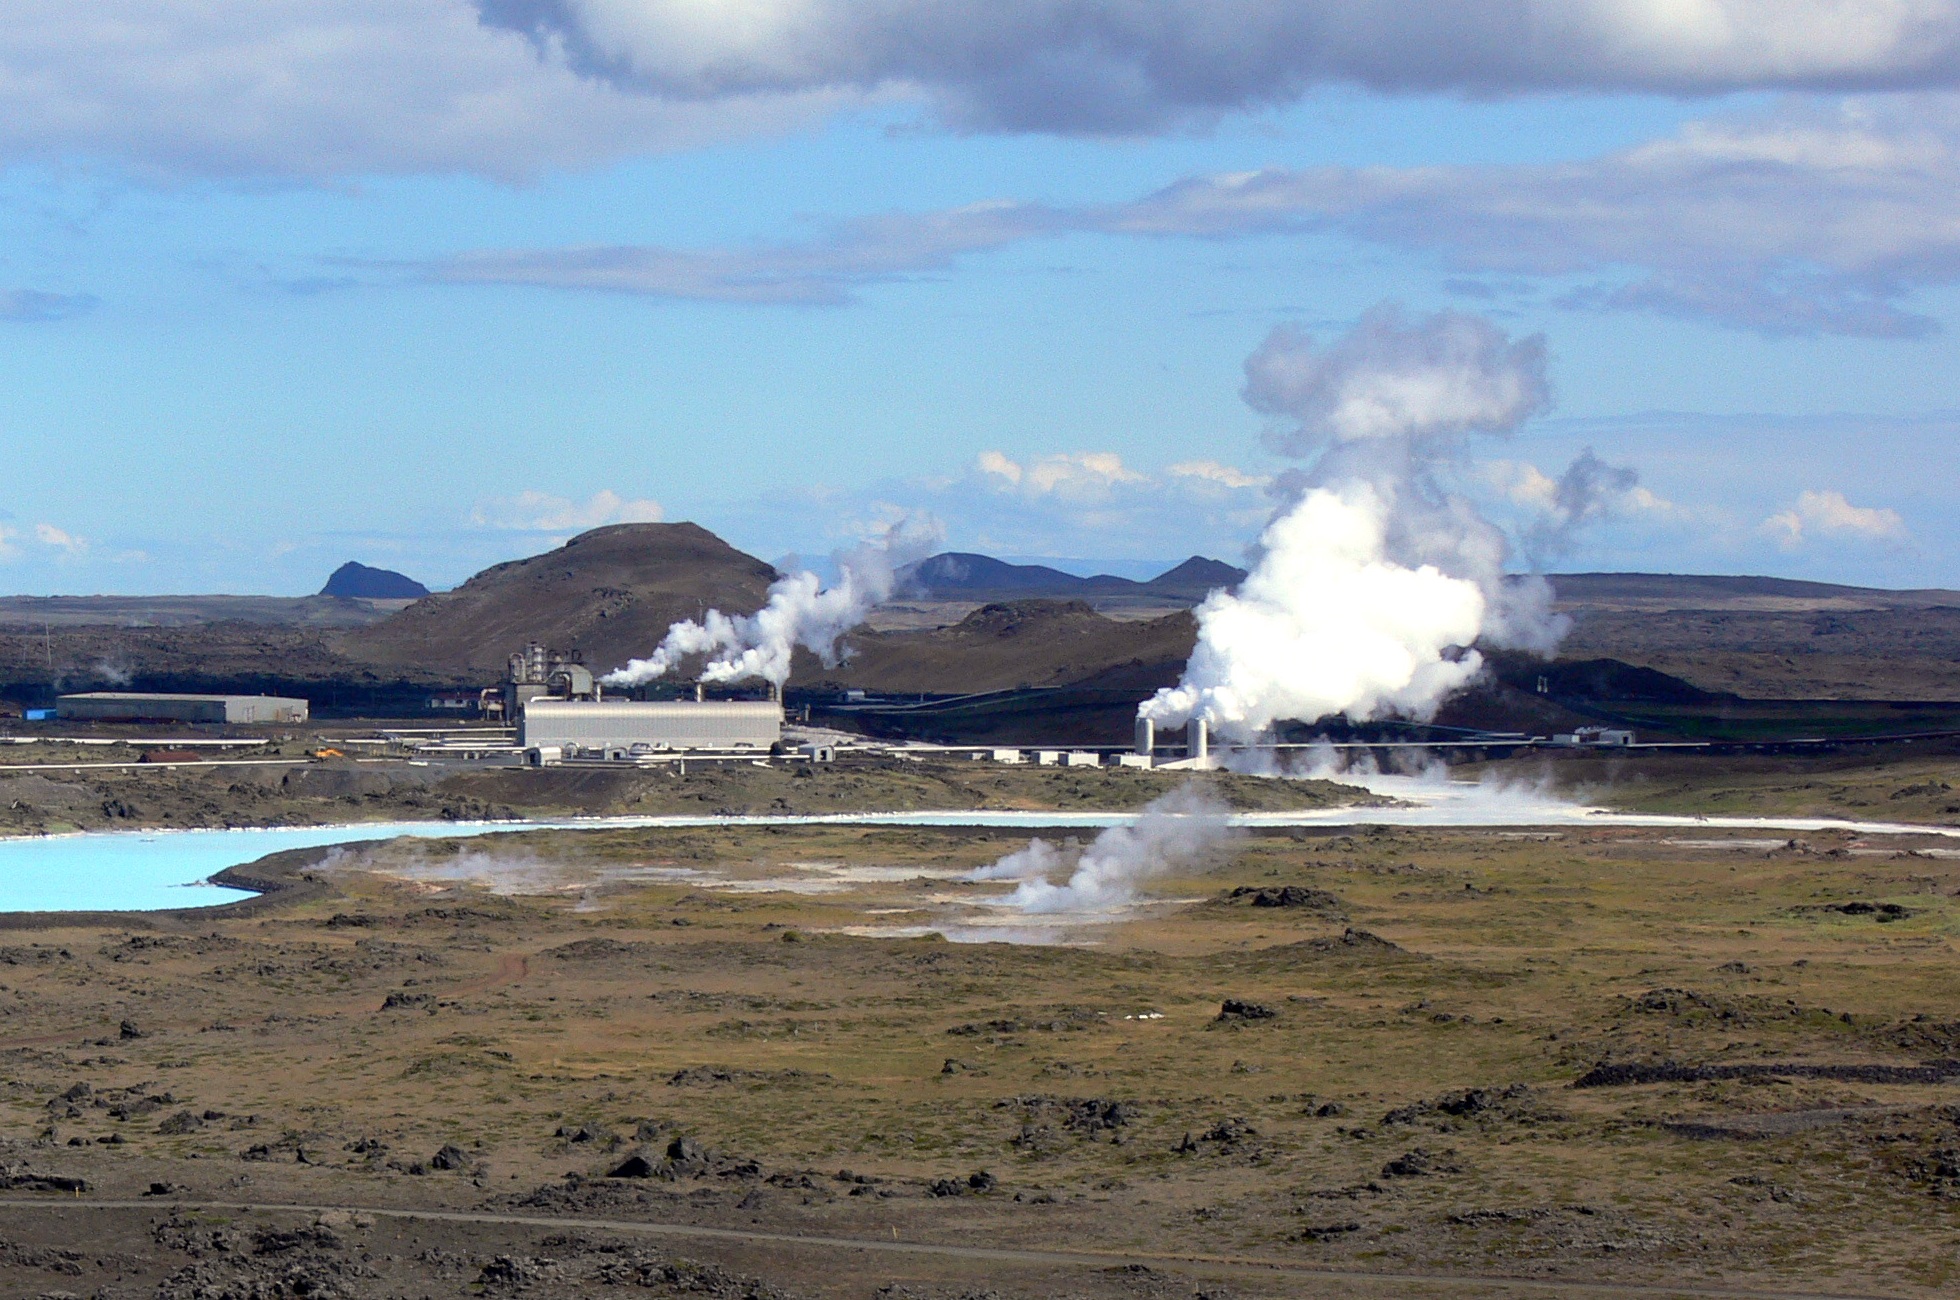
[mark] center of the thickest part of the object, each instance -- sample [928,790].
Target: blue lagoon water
[151,870]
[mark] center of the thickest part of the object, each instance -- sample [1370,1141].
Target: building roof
[135,696]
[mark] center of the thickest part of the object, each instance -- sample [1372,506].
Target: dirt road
[1195,1264]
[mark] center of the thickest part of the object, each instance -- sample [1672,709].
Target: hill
[965,576]
[1769,638]
[1026,643]
[1049,672]
[1717,591]
[1196,578]
[186,611]
[356,581]
[611,592]
[1664,642]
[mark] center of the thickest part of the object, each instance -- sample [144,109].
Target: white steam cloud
[1373,581]
[1588,490]
[1327,623]
[1179,829]
[801,611]
[1390,378]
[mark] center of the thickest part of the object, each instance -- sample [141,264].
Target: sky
[432,284]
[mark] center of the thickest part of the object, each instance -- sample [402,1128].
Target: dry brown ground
[1407,1111]
[301,793]
[1916,783]
[1786,654]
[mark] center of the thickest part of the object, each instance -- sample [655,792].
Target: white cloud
[40,540]
[855,253]
[1225,476]
[1070,476]
[542,512]
[1120,66]
[1523,483]
[322,88]
[996,465]
[508,88]
[1799,222]
[1093,503]
[56,539]
[1552,517]
[1520,482]
[1796,222]
[1826,513]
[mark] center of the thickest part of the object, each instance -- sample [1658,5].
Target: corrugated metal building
[141,706]
[654,724]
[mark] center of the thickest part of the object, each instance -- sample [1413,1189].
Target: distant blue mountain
[962,575]
[353,581]
[1197,577]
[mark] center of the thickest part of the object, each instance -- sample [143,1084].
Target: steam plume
[1588,489]
[800,611]
[1373,580]
[1391,379]
[1178,829]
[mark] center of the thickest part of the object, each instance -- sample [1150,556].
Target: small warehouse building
[141,706]
[645,726]
[1595,737]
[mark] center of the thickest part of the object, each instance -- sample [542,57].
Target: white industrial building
[144,706]
[1600,737]
[645,726]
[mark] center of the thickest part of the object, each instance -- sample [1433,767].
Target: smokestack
[1197,738]
[800,611]
[1146,736]
[700,692]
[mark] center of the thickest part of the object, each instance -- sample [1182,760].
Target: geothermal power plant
[551,709]
[560,712]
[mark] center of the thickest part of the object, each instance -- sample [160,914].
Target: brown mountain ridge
[1015,644]
[611,592]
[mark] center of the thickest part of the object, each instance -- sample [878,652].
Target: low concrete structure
[142,706]
[650,726]
[1601,736]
